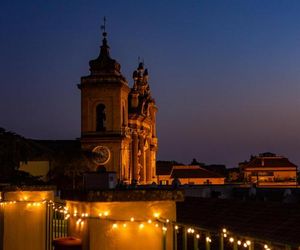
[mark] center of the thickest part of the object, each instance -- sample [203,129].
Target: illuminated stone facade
[119,120]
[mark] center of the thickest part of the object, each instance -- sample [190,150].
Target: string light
[64,210]
[156,215]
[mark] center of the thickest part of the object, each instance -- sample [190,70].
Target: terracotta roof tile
[269,162]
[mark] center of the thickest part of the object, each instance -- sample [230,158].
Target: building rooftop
[269,162]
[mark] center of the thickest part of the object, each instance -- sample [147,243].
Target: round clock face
[101,155]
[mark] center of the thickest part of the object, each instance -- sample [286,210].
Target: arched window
[100,117]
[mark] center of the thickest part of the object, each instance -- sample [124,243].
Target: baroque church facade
[118,122]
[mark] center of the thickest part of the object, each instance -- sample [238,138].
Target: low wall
[23,219]
[136,222]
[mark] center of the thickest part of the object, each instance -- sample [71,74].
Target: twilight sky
[225,74]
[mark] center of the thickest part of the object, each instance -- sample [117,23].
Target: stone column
[154,124]
[135,164]
[148,164]
[142,160]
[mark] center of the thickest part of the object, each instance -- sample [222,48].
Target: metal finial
[103,27]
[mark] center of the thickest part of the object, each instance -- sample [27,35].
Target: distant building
[269,169]
[37,168]
[193,175]
[233,175]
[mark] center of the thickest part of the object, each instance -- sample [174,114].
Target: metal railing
[56,225]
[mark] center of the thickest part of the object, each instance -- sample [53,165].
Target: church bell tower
[104,114]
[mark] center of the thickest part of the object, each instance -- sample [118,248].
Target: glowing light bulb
[197,236]
[106,213]
[176,227]
[164,229]
[248,242]
[224,230]
[132,219]
[124,225]
[100,214]
[167,220]
[156,215]
[266,246]
[156,225]
[245,244]
[225,235]
[149,221]
[141,226]
[231,240]
[239,242]
[115,225]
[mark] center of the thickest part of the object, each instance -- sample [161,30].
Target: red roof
[269,162]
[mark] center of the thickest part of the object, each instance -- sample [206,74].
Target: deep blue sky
[225,74]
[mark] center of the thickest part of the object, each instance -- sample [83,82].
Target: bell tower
[104,114]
